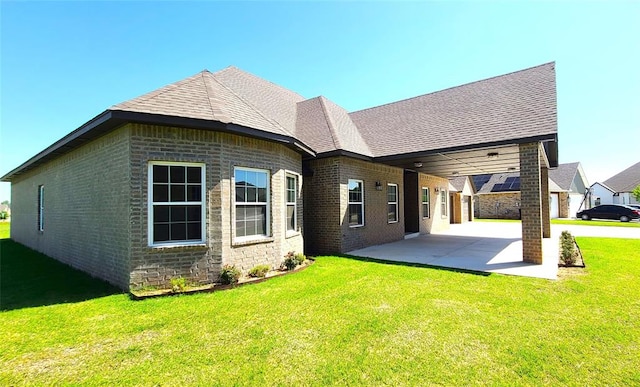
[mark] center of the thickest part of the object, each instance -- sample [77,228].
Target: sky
[63,63]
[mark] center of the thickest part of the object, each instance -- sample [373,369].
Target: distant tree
[636,193]
[5,202]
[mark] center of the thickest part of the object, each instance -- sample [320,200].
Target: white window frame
[395,186]
[41,208]
[201,203]
[294,203]
[267,204]
[443,205]
[361,202]
[427,213]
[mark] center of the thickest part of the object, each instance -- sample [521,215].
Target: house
[617,189]
[227,168]
[461,193]
[498,195]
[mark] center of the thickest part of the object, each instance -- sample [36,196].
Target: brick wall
[86,208]
[504,205]
[322,218]
[531,203]
[220,152]
[437,220]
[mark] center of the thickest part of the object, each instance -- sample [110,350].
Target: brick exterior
[545,197]
[96,206]
[436,221]
[86,208]
[531,203]
[327,227]
[504,205]
[563,203]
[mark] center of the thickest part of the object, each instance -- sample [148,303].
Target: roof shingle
[626,180]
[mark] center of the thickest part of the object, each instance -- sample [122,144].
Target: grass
[341,321]
[574,222]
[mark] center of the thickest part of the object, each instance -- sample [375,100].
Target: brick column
[530,202]
[544,192]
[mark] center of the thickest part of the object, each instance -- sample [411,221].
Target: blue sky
[63,63]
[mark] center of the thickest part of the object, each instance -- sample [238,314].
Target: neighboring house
[461,193]
[227,168]
[617,189]
[498,195]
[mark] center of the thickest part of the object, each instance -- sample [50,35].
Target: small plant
[290,261]
[300,258]
[230,274]
[178,284]
[259,271]
[567,248]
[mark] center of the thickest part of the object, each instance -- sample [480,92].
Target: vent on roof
[511,184]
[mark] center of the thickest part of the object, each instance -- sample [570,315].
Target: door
[411,202]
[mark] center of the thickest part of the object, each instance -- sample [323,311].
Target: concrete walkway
[486,247]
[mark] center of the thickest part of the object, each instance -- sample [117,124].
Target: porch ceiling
[461,162]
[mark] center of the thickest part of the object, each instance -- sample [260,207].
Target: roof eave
[111,119]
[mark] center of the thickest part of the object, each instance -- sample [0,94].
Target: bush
[567,248]
[259,271]
[178,284]
[300,258]
[230,275]
[290,261]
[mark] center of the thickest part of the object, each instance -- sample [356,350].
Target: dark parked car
[610,211]
[634,206]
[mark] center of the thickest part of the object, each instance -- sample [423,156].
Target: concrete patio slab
[476,246]
[486,247]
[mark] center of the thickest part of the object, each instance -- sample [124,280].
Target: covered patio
[476,246]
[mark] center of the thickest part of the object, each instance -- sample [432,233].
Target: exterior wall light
[378,186]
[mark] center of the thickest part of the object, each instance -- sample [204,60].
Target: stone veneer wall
[220,152]
[498,205]
[86,208]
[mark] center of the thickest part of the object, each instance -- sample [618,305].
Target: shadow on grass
[30,279]
[414,264]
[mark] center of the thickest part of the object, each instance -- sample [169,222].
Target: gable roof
[626,180]
[491,110]
[458,182]
[502,111]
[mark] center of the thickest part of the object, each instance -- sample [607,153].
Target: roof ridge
[244,100]
[454,87]
[332,130]
[210,97]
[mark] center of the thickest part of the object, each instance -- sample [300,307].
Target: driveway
[486,247]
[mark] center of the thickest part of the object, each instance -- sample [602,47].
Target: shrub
[178,284]
[230,274]
[300,258]
[259,271]
[290,261]
[567,248]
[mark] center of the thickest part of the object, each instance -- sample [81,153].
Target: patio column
[544,192]
[531,202]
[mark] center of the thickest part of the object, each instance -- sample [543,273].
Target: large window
[41,208]
[443,202]
[356,203]
[292,194]
[252,202]
[176,204]
[425,202]
[392,203]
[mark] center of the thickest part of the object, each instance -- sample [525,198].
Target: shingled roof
[504,110]
[626,180]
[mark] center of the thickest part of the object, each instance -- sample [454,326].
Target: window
[392,203]
[356,203]
[176,204]
[443,200]
[252,202]
[41,208]
[425,202]
[292,194]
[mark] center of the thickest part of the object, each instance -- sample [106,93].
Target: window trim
[396,203]
[287,203]
[151,203]
[267,235]
[361,203]
[427,203]
[41,207]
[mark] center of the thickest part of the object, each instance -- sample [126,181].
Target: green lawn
[575,222]
[340,321]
